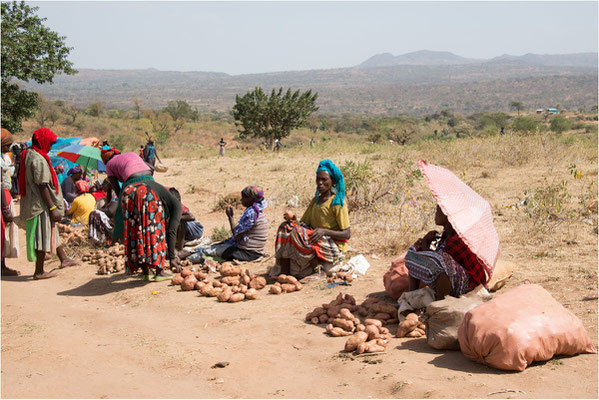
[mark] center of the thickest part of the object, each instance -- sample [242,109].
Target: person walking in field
[150,154]
[41,203]
[222,144]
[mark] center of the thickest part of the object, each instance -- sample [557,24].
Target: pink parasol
[469,214]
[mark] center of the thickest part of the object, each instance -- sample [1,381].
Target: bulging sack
[444,317]
[397,279]
[520,326]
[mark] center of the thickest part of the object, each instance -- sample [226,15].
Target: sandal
[160,278]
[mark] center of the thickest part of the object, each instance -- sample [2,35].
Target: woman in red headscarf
[83,204]
[41,203]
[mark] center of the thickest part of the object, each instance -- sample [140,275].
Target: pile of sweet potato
[340,277]
[234,284]
[411,327]
[71,236]
[365,336]
[286,284]
[110,260]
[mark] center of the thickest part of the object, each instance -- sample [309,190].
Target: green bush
[524,124]
[560,124]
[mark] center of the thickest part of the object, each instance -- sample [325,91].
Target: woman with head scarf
[249,235]
[83,204]
[41,203]
[322,234]
[9,234]
[68,184]
[149,215]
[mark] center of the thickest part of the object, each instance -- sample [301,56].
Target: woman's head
[81,186]
[6,140]
[328,176]
[251,194]
[43,139]
[441,219]
[75,173]
[108,153]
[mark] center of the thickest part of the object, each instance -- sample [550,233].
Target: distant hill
[427,57]
[422,57]
[416,89]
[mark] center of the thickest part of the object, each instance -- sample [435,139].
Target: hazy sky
[254,37]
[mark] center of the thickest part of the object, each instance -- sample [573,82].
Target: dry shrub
[232,199]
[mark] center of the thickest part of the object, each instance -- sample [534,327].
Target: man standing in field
[41,203]
[150,153]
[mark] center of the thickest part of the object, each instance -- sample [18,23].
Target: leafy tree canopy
[272,117]
[30,51]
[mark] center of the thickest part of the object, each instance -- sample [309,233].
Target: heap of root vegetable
[109,260]
[235,284]
[367,335]
[286,284]
[72,236]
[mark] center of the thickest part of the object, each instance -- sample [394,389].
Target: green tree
[272,117]
[180,111]
[47,111]
[95,109]
[524,124]
[30,51]
[560,124]
[517,105]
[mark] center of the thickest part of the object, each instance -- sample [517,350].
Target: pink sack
[520,326]
[396,280]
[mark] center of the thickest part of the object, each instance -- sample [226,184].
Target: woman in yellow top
[321,235]
[83,204]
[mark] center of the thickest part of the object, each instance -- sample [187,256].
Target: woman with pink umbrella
[466,251]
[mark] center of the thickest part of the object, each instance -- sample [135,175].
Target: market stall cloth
[468,212]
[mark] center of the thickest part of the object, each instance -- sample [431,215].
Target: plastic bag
[520,326]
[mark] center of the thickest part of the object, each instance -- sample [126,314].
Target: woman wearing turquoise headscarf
[321,235]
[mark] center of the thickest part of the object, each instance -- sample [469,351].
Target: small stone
[221,364]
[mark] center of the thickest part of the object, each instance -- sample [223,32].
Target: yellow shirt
[82,206]
[327,216]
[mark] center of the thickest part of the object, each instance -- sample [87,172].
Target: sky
[257,37]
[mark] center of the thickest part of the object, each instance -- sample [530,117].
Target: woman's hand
[424,243]
[316,235]
[55,215]
[7,214]
[229,211]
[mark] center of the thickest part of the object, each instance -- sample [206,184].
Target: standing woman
[150,212]
[222,147]
[10,233]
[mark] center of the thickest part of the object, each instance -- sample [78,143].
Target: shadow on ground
[104,285]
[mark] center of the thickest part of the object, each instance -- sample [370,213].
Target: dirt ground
[82,335]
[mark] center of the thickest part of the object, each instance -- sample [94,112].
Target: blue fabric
[338,181]
[248,218]
[150,152]
[193,230]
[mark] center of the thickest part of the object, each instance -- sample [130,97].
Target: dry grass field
[84,335]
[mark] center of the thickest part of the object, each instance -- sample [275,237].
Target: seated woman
[450,269]
[321,235]
[249,235]
[190,229]
[68,185]
[150,213]
[83,204]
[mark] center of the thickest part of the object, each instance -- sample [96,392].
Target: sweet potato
[382,316]
[227,269]
[217,284]
[315,320]
[406,327]
[344,324]
[185,272]
[282,278]
[177,279]
[288,287]
[422,326]
[372,331]
[200,275]
[414,333]
[338,300]
[244,280]
[236,297]
[350,307]
[317,312]
[369,302]
[199,285]
[373,347]
[235,289]
[346,314]
[298,286]
[362,311]
[224,296]
[354,340]
[252,294]
[336,331]
[258,283]
[381,342]
[383,330]
[188,283]
[421,331]
[375,322]
[243,289]
[360,327]
[323,318]
[391,321]
[275,289]
[215,291]
[361,348]
[412,316]
[230,280]
[382,307]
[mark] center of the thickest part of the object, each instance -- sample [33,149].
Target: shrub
[220,233]
[560,124]
[524,124]
[543,206]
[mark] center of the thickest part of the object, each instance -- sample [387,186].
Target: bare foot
[10,272]
[45,275]
[69,263]
[184,254]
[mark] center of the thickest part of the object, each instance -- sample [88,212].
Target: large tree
[30,51]
[272,117]
[517,105]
